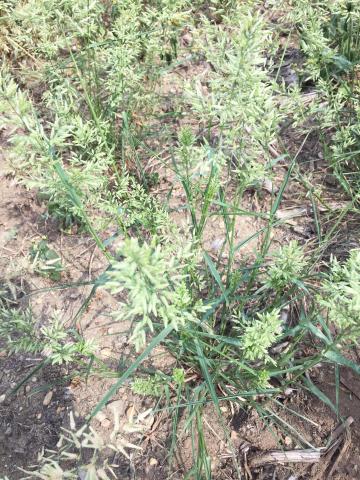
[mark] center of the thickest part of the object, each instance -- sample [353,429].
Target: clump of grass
[57,343]
[46,261]
[329,40]
[340,295]
[82,143]
[288,266]
[260,334]
[156,287]
[150,387]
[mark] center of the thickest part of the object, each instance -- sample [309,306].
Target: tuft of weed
[80,135]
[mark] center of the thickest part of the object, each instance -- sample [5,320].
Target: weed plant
[329,36]
[80,97]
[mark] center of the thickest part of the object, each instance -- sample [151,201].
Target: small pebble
[27,388]
[106,353]
[106,423]
[2,398]
[100,416]
[34,379]
[186,39]
[47,399]
[130,412]
[38,416]
[117,407]
[153,462]
[216,244]
[267,185]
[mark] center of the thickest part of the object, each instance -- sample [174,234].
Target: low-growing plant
[80,451]
[151,386]
[155,284]
[288,266]
[238,324]
[54,341]
[329,39]
[329,35]
[340,295]
[45,260]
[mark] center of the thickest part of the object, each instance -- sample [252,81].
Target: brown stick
[292,456]
[307,455]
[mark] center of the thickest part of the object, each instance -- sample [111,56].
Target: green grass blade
[319,394]
[29,375]
[338,358]
[213,394]
[111,392]
[77,202]
[215,274]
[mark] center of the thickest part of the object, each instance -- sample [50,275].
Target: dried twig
[310,455]
[344,448]
[292,456]
[339,430]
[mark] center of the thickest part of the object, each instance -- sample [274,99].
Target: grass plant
[82,105]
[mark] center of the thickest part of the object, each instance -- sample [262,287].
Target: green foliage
[155,284]
[134,209]
[92,118]
[288,266]
[21,334]
[40,27]
[19,331]
[46,261]
[260,334]
[179,376]
[340,295]
[34,152]
[329,34]
[151,386]
[79,127]
[233,100]
[198,169]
